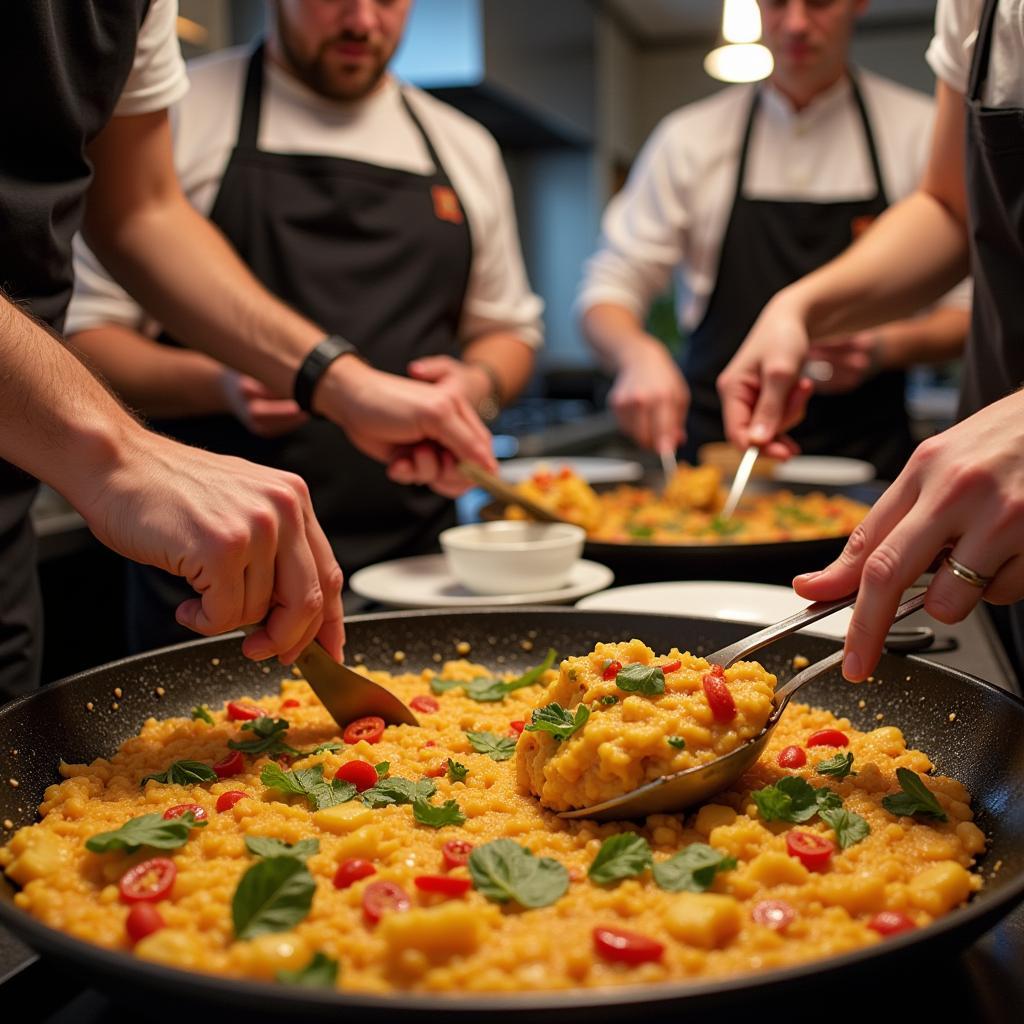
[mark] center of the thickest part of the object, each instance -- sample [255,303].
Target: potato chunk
[940,887]
[703,919]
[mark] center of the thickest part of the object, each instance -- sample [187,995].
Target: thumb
[430,368]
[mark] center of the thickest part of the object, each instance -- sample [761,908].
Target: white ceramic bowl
[511,557]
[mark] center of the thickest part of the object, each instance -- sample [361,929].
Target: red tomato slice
[178,810]
[456,852]
[813,851]
[424,702]
[723,707]
[233,764]
[239,712]
[716,670]
[446,885]
[828,738]
[361,774]
[370,729]
[792,757]
[774,914]
[624,947]
[380,898]
[672,666]
[517,728]
[143,919]
[437,771]
[565,473]
[228,800]
[291,702]
[351,870]
[891,922]
[149,880]
[611,670]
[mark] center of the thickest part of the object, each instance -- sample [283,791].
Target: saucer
[425,582]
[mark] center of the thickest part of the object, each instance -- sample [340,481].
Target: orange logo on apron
[446,204]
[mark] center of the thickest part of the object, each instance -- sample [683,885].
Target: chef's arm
[502,360]
[936,337]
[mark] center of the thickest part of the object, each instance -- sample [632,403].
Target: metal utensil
[668,465]
[499,489]
[684,789]
[739,481]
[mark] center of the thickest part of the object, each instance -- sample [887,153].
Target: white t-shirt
[952,49]
[376,130]
[157,78]
[672,214]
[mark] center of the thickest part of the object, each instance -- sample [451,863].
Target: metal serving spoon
[684,789]
[739,482]
[497,488]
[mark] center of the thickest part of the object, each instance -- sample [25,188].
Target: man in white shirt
[367,205]
[742,193]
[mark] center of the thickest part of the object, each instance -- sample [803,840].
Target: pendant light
[741,57]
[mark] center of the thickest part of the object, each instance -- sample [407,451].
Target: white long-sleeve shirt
[672,214]
[376,130]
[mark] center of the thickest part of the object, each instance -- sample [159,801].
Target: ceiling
[665,20]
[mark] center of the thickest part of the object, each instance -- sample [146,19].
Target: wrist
[487,396]
[342,379]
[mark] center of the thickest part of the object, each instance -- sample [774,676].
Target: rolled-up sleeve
[158,77]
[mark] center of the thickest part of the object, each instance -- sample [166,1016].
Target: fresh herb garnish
[309,782]
[426,813]
[555,719]
[272,896]
[609,698]
[149,830]
[265,846]
[382,768]
[792,799]
[457,771]
[639,530]
[646,679]
[838,767]
[793,514]
[488,690]
[725,527]
[184,773]
[621,856]
[850,828]
[497,748]
[693,869]
[320,972]
[915,798]
[270,734]
[396,790]
[202,712]
[439,685]
[503,870]
[677,741]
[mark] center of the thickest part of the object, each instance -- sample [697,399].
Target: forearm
[507,357]
[937,337]
[615,334]
[157,380]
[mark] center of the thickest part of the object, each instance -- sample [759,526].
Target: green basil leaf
[486,690]
[693,869]
[725,527]
[275,777]
[827,799]
[270,734]
[609,698]
[382,768]
[320,972]
[625,855]
[388,792]
[850,828]
[272,896]
[915,798]
[309,782]
[184,773]
[149,830]
[265,846]
[645,679]
[448,813]
[789,799]
[497,748]
[319,749]
[532,675]
[440,686]
[555,719]
[677,741]
[503,870]
[838,767]
[457,772]
[202,712]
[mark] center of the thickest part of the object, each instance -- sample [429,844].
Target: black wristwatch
[315,365]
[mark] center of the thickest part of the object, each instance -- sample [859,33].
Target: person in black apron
[768,245]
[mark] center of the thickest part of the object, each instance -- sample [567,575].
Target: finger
[1008,586]
[430,368]
[777,383]
[259,581]
[474,439]
[667,417]
[426,463]
[796,404]
[738,395]
[221,586]
[952,597]
[331,632]
[401,469]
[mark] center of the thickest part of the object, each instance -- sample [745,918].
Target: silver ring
[960,571]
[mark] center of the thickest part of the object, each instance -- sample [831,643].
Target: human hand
[431,465]
[466,379]
[244,536]
[257,408]
[963,488]
[844,362]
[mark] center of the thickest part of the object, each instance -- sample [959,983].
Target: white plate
[756,603]
[594,470]
[425,582]
[824,470]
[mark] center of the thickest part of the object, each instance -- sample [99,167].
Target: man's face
[340,48]
[809,39]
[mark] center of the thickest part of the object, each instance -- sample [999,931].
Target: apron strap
[869,135]
[439,170]
[741,171]
[252,101]
[982,50]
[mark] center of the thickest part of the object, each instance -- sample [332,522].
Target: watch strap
[315,365]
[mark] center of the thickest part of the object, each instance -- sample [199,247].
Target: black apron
[768,245]
[64,66]
[379,255]
[994,360]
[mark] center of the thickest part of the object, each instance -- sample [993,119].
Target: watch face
[488,409]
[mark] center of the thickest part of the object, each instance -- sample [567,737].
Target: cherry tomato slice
[228,800]
[517,728]
[149,880]
[813,851]
[672,666]
[437,771]
[456,852]
[624,947]
[774,914]
[199,813]
[361,774]
[565,473]
[611,670]
[542,480]
[351,870]
[723,707]
[239,712]
[291,702]
[370,729]
[381,897]
[828,738]
[716,670]
[424,702]
[446,885]
[891,922]
[233,764]
[792,757]
[143,919]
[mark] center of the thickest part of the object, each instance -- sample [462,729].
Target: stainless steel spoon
[739,482]
[684,789]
